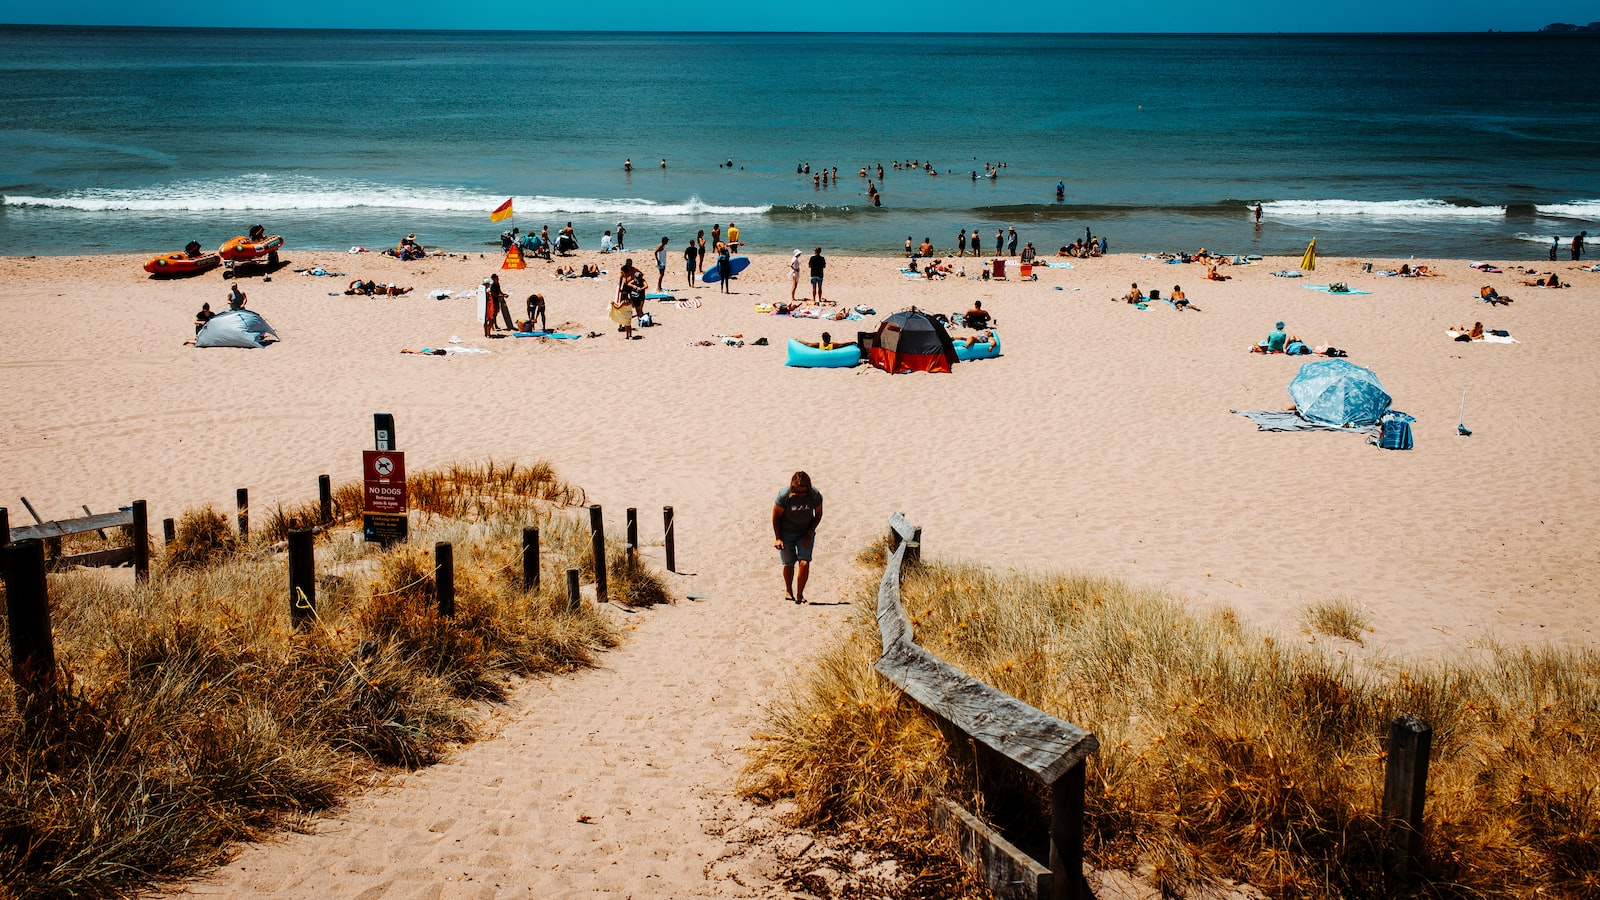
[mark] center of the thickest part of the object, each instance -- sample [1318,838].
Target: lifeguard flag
[514,259]
[1309,261]
[503,211]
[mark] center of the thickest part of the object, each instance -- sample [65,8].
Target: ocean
[139,140]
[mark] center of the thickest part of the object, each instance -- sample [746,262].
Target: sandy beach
[1101,440]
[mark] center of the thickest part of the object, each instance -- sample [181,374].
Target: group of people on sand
[1178,299]
[360,288]
[1280,341]
[407,249]
[1578,242]
[1085,247]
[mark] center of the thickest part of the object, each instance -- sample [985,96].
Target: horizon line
[897,33]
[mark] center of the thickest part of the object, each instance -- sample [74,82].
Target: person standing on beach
[1555,247]
[999,242]
[795,516]
[691,260]
[1577,245]
[497,297]
[733,238]
[818,264]
[700,246]
[725,269]
[794,275]
[716,237]
[1011,240]
[237,299]
[536,313]
[977,246]
[961,242]
[621,245]
[629,283]
[1258,213]
[661,263]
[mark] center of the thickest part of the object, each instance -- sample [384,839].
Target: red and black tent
[912,341]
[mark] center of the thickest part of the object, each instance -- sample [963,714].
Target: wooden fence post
[530,558]
[324,500]
[672,554]
[241,499]
[1066,833]
[914,550]
[33,652]
[597,537]
[141,541]
[633,537]
[169,531]
[1405,791]
[574,600]
[5,526]
[302,576]
[444,574]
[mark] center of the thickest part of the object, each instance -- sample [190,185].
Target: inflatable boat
[177,265]
[242,249]
[805,357]
[977,351]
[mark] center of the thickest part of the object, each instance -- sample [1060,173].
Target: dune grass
[193,715]
[1226,752]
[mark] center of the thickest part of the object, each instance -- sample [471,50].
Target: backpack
[1396,433]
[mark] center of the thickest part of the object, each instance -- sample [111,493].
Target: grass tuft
[1337,618]
[1225,753]
[194,716]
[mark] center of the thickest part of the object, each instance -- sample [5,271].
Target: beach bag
[645,321]
[1396,433]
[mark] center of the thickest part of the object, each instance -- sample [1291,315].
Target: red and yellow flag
[503,211]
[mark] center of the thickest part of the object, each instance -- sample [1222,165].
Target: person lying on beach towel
[1213,275]
[1409,271]
[1549,281]
[1478,333]
[1180,301]
[1492,297]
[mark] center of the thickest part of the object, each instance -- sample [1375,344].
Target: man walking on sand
[818,264]
[795,516]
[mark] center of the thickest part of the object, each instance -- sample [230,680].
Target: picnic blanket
[1326,289]
[1487,338]
[1286,420]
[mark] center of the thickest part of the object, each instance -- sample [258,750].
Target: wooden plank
[1009,873]
[63,527]
[116,556]
[1033,739]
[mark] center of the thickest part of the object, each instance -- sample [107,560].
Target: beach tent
[912,341]
[236,328]
[1336,392]
[1308,262]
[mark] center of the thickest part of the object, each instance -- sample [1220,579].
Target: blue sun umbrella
[1335,392]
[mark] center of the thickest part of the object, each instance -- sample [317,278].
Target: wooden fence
[1023,739]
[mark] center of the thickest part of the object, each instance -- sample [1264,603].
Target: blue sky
[824,15]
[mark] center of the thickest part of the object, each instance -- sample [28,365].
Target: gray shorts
[793,549]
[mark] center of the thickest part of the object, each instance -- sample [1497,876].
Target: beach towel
[558,335]
[659,296]
[1488,338]
[1060,265]
[1326,290]
[1287,273]
[693,303]
[1483,267]
[440,294]
[1286,420]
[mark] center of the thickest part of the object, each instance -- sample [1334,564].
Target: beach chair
[1025,272]
[998,270]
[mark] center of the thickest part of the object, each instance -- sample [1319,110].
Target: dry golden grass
[1337,618]
[1226,753]
[194,715]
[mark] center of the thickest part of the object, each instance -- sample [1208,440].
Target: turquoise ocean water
[133,140]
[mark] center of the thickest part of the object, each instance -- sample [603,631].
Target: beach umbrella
[1309,261]
[1336,392]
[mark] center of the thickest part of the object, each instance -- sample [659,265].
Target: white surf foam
[279,193]
[1379,209]
[1587,210]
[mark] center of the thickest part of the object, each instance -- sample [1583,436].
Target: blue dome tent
[1338,393]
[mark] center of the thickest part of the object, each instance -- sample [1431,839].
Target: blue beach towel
[1324,289]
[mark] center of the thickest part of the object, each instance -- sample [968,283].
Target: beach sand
[1101,440]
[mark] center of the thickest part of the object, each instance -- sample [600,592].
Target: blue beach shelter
[1335,392]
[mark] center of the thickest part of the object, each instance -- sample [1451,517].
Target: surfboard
[483,304]
[712,276]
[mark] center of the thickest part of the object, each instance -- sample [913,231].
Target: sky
[1154,16]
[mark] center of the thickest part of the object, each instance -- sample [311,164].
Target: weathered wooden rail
[135,518]
[1025,739]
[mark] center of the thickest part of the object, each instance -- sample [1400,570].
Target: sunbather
[1492,296]
[1274,343]
[1212,275]
[827,343]
[1134,295]
[1549,281]
[985,337]
[1180,300]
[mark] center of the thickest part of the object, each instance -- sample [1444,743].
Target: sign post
[383,476]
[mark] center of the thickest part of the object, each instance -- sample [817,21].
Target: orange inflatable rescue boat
[176,265]
[243,249]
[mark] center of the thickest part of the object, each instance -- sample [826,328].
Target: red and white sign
[384,474]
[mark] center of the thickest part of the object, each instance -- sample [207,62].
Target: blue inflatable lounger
[982,350]
[805,357]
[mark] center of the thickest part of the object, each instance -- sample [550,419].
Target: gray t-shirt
[798,512]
